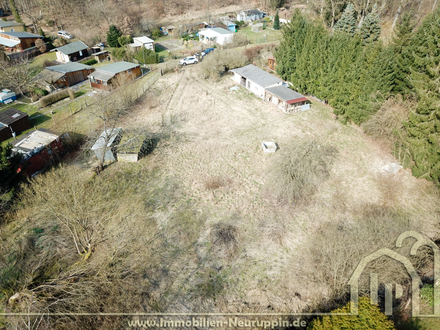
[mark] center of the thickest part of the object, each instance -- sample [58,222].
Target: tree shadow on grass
[38,119]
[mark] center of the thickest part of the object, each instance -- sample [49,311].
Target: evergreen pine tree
[291,45]
[423,127]
[112,36]
[347,22]
[276,22]
[370,29]
[403,56]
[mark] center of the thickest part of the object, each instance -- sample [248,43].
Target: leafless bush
[300,169]
[47,63]
[214,65]
[252,52]
[225,240]
[389,118]
[213,183]
[387,124]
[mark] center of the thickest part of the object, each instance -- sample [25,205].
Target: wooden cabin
[114,75]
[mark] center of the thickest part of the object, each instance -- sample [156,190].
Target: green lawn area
[264,36]
[37,63]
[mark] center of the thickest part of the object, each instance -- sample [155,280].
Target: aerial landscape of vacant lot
[206,165]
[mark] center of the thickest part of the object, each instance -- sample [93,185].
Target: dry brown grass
[188,247]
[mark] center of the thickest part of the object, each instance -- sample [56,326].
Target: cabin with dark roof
[13,122]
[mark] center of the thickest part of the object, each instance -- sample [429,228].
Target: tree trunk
[363,14]
[333,14]
[395,19]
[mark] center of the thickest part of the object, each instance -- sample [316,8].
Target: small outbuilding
[134,146]
[145,42]
[250,15]
[230,25]
[72,52]
[39,149]
[101,56]
[216,35]
[113,75]
[113,137]
[12,123]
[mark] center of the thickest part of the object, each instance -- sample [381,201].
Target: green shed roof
[72,48]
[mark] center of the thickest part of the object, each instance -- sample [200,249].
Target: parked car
[188,60]
[207,51]
[65,35]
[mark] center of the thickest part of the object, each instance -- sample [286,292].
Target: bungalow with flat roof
[113,75]
[72,52]
[63,75]
[270,88]
[139,42]
[255,79]
[216,35]
[10,26]
[18,41]
[13,122]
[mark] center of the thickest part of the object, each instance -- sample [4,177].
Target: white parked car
[188,60]
[65,35]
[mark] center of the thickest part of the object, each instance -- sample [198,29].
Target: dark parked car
[207,51]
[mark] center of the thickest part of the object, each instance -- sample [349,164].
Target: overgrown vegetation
[300,169]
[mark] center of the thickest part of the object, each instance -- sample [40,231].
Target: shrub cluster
[54,97]
[213,66]
[90,62]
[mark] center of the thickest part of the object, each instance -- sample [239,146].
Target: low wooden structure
[101,56]
[133,146]
[114,75]
[112,136]
[286,99]
[13,122]
[63,75]
[39,149]
[271,63]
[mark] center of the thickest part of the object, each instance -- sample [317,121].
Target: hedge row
[54,97]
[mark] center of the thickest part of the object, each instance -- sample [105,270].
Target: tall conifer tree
[347,22]
[370,29]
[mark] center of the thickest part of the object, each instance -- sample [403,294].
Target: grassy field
[264,36]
